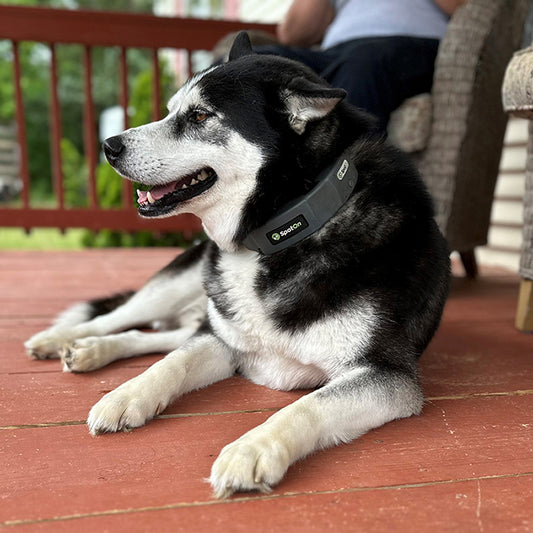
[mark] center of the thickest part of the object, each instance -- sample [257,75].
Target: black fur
[214,285]
[383,246]
[242,46]
[185,260]
[102,306]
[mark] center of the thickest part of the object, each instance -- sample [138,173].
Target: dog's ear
[241,46]
[306,101]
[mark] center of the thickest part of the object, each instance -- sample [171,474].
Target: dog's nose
[113,147]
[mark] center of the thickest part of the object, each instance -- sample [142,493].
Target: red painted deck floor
[465,464]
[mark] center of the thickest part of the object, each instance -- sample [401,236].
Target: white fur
[152,303]
[189,94]
[90,353]
[279,359]
[259,459]
[306,109]
[76,314]
[198,363]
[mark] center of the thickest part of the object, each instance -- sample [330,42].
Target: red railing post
[91,152]
[156,87]
[55,127]
[124,85]
[21,129]
[127,186]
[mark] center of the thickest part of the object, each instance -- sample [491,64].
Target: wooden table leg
[524,313]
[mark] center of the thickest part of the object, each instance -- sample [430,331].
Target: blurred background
[35,59]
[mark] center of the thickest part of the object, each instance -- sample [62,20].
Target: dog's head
[240,140]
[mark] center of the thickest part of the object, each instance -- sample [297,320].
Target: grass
[40,239]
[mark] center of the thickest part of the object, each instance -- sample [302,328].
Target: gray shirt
[371,18]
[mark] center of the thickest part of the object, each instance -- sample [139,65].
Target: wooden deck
[465,464]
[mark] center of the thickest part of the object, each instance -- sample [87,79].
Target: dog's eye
[197,116]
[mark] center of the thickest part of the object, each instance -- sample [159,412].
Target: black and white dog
[345,305]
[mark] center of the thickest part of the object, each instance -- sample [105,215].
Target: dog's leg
[201,361]
[179,299]
[90,353]
[342,410]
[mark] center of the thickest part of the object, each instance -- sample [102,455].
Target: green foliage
[75,174]
[144,6]
[7,89]
[108,186]
[40,239]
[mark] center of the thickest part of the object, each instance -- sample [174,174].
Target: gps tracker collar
[307,214]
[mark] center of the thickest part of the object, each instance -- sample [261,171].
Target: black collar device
[307,214]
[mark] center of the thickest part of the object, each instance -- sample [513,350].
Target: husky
[343,303]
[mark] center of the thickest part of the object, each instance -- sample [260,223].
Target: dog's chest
[234,305]
[241,318]
[270,355]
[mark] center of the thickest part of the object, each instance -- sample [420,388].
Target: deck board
[465,464]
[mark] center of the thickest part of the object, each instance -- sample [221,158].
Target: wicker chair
[517,95]
[460,160]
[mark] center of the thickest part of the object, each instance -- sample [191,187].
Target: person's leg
[380,73]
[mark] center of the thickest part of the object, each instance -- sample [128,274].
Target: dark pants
[378,73]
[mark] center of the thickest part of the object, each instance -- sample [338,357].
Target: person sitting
[381,52]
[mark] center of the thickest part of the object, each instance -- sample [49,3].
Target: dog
[344,305]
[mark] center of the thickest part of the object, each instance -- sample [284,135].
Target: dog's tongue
[156,192]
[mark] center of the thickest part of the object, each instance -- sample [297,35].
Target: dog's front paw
[84,355]
[47,344]
[125,408]
[256,461]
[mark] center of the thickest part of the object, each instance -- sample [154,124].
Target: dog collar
[307,214]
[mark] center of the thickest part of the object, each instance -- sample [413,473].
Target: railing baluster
[21,127]
[124,86]
[156,89]
[89,127]
[127,186]
[55,126]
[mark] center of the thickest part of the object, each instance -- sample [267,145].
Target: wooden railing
[90,29]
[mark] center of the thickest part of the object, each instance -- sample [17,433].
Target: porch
[465,464]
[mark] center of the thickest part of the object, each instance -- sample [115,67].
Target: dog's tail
[84,311]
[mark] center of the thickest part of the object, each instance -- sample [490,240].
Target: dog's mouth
[162,199]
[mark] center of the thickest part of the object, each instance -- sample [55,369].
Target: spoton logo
[290,228]
[342,171]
